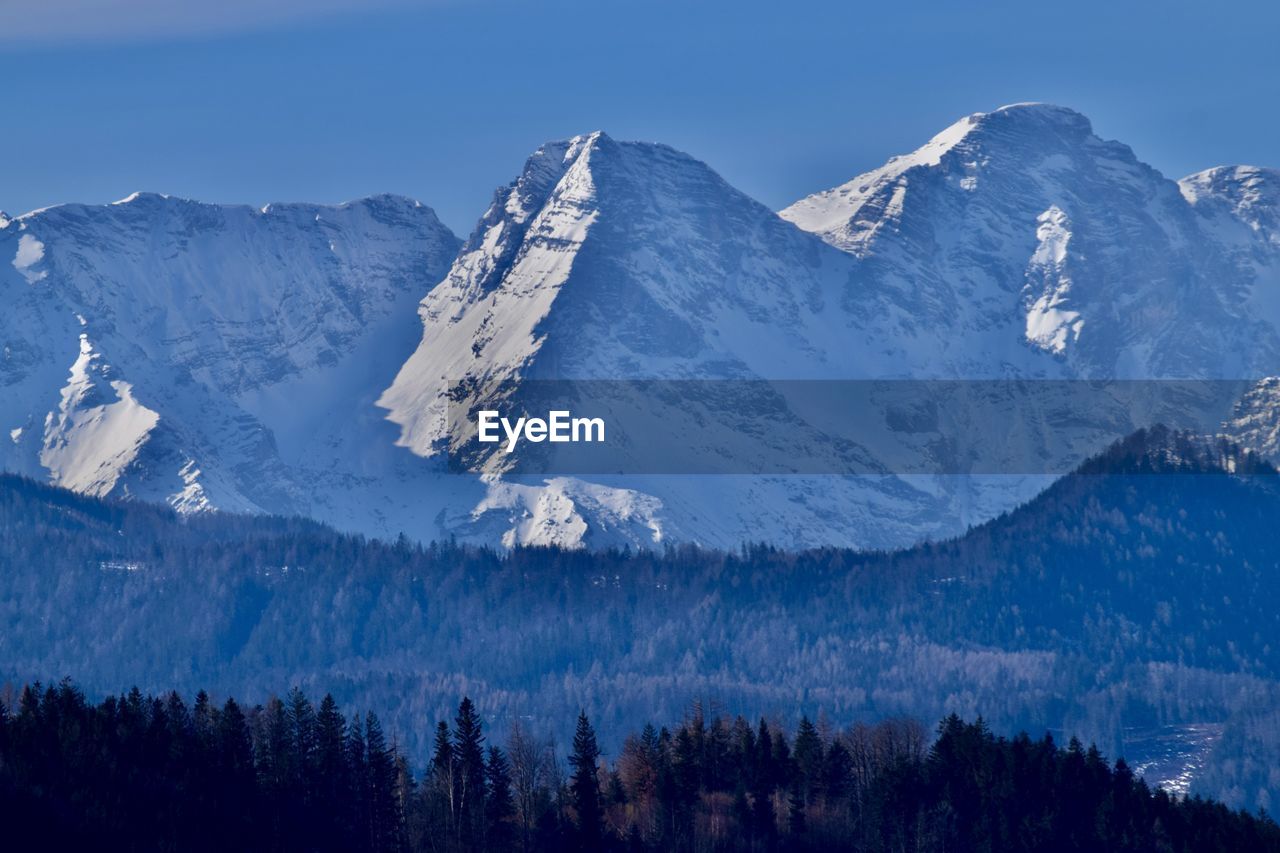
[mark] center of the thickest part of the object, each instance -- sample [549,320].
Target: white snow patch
[192,497]
[86,446]
[556,513]
[1051,325]
[30,252]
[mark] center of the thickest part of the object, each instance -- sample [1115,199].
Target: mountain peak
[1001,125]
[1044,113]
[143,197]
[584,141]
[1011,135]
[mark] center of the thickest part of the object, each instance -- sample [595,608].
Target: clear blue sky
[324,100]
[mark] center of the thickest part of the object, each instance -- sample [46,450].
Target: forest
[144,772]
[1138,595]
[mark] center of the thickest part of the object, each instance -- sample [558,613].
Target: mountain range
[298,359]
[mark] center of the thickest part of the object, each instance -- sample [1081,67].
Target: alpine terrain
[271,361]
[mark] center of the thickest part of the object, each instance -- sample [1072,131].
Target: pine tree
[273,749]
[202,720]
[499,807]
[234,747]
[440,790]
[763,818]
[468,750]
[302,731]
[236,774]
[384,816]
[331,780]
[808,757]
[585,786]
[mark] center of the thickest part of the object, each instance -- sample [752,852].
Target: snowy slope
[209,356]
[619,260]
[296,358]
[622,260]
[1017,242]
[1014,244]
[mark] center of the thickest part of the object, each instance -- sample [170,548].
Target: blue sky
[270,100]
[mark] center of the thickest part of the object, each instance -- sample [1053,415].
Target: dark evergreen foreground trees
[154,773]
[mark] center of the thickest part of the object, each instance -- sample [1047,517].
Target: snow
[191,498]
[499,333]
[1050,325]
[835,212]
[30,252]
[230,358]
[88,444]
[292,358]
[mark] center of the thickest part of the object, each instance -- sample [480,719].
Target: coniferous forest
[1136,596]
[139,772]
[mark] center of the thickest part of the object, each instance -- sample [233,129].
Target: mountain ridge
[301,361]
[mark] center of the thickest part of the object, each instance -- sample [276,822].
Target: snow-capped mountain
[1017,242]
[620,260]
[206,355]
[273,360]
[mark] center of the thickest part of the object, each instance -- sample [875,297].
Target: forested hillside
[154,773]
[1137,594]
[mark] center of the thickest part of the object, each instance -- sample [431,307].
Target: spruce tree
[499,807]
[380,764]
[808,756]
[302,731]
[468,749]
[440,793]
[333,784]
[585,786]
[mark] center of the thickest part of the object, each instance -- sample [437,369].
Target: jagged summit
[961,150]
[1018,234]
[611,259]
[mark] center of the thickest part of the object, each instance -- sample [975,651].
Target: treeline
[1115,603]
[154,773]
